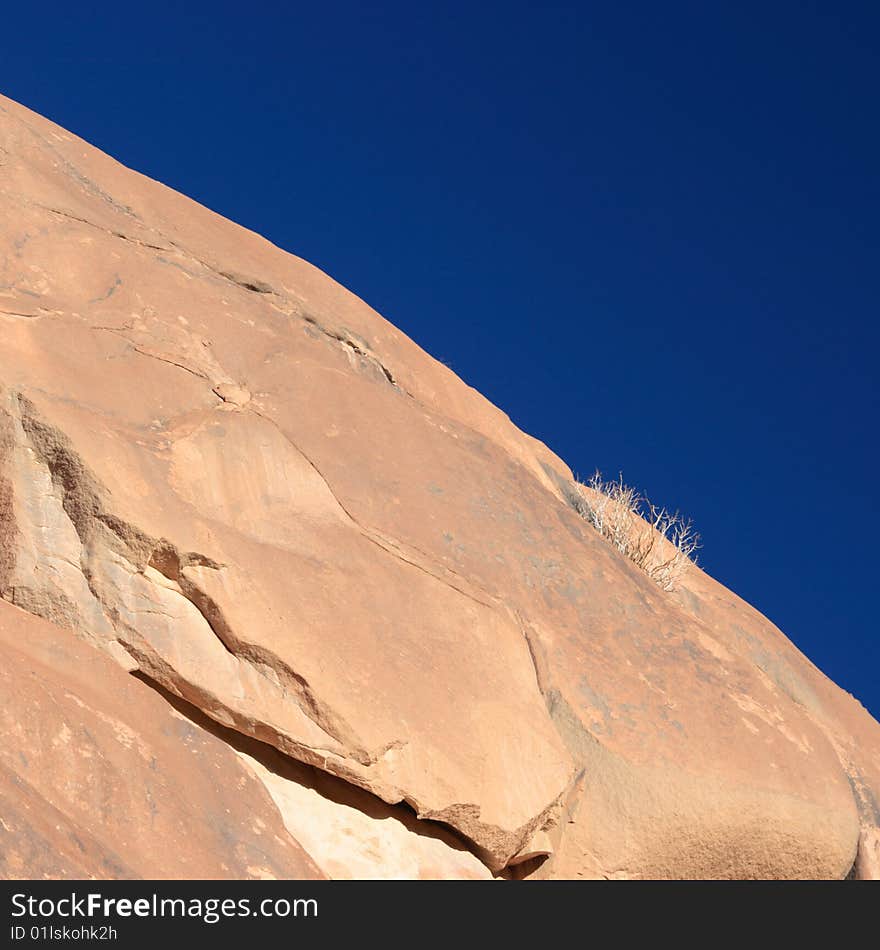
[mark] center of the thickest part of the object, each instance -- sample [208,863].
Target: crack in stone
[82,501]
[98,227]
[354,347]
[27,316]
[250,284]
[370,534]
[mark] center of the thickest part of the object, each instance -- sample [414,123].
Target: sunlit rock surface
[242,485]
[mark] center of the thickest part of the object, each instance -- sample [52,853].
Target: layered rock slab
[101,778]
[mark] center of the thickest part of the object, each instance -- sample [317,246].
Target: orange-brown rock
[100,777]
[234,477]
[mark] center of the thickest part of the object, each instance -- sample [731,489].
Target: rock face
[100,777]
[359,593]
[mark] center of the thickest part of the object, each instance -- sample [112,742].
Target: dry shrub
[660,542]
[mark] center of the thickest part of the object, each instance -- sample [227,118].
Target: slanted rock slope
[366,592]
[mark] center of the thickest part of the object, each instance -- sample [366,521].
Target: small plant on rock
[662,543]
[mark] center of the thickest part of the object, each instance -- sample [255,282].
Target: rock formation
[292,572]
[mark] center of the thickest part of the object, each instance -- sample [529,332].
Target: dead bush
[662,543]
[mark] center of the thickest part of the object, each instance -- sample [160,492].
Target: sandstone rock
[233,476]
[355,836]
[100,777]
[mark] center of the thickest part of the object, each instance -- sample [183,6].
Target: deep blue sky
[648,231]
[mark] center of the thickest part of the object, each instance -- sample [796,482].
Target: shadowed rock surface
[229,474]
